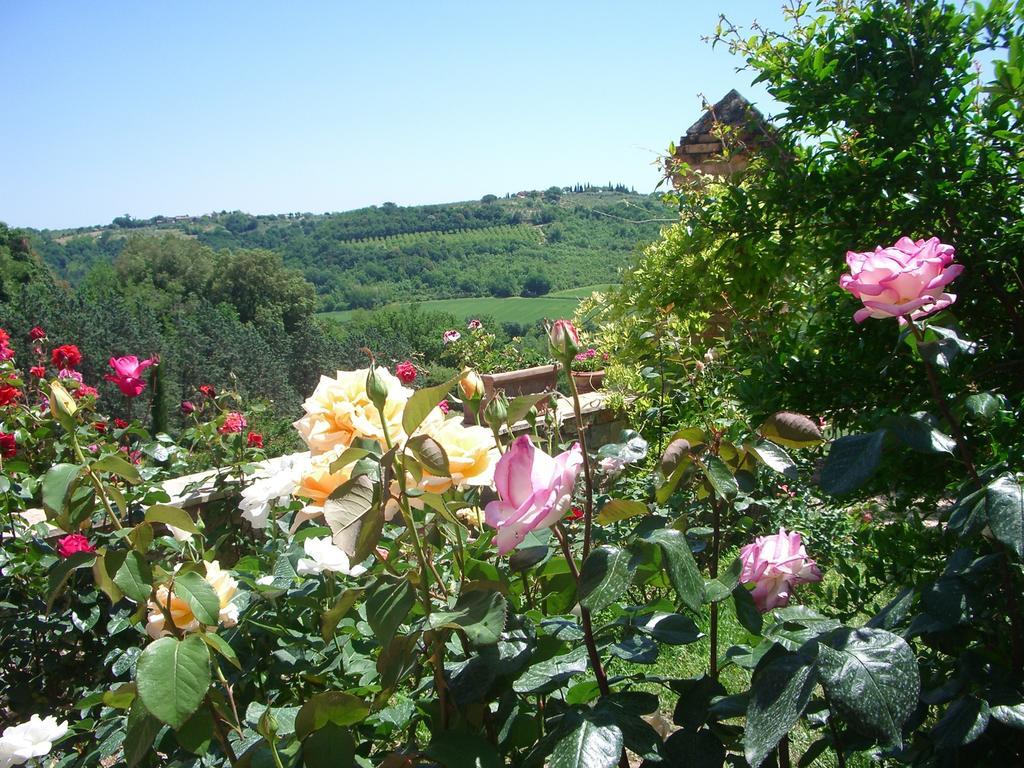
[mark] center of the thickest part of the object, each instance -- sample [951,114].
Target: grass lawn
[513,309]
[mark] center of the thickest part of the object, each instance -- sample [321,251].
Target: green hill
[526,245]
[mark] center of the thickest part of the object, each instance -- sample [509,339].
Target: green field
[514,309]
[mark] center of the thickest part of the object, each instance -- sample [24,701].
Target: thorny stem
[230,694]
[96,483]
[783,752]
[588,516]
[218,730]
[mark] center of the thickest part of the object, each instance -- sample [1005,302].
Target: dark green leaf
[720,588]
[871,676]
[430,454]
[604,578]
[917,432]
[983,406]
[480,614]
[140,732]
[330,747]
[1004,504]
[1009,714]
[778,694]
[388,602]
[851,461]
[546,676]
[336,707]
[963,721]
[718,474]
[61,572]
[670,628]
[173,677]
[585,743]
[220,645]
[746,610]
[197,732]
[460,749]
[520,406]
[680,566]
[693,749]
[349,502]
[330,618]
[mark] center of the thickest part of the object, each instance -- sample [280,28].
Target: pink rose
[564,339]
[128,374]
[72,544]
[905,279]
[233,422]
[475,325]
[444,406]
[535,491]
[450,336]
[187,407]
[406,372]
[776,564]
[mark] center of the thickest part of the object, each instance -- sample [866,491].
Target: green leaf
[793,430]
[871,677]
[134,577]
[585,743]
[118,466]
[774,457]
[121,697]
[199,595]
[388,602]
[721,479]
[963,722]
[604,578]
[168,515]
[460,749]
[621,509]
[851,461]
[348,456]
[694,749]
[778,694]
[330,618]
[720,588]
[422,402]
[58,482]
[479,614]
[1004,507]
[680,566]
[197,732]
[545,676]
[330,747]
[520,406]
[173,677]
[336,707]
[746,610]
[430,454]
[916,432]
[220,645]
[61,572]
[670,628]
[1009,714]
[140,732]
[983,407]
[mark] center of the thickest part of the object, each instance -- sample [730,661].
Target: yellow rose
[317,482]
[340,410]
[472,456]
[222,583]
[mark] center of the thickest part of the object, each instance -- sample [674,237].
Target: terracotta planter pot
[526,381]
[588,381]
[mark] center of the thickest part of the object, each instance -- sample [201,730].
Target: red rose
[84,390]
[37,334]
[99,426]
[8,447]
[72,544]
[406,372]
[37,371]
[120,423]
[574,514]
[66,357]
[9,395]
[255,440]
[208,390]
[234,422]
[187,407]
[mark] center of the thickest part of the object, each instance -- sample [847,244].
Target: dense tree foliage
[561,238]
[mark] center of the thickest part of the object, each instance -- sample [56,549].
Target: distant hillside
[527,244]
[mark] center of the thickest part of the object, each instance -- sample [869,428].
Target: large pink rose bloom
[905,279]
[535,491]
[128,374]
[776,564]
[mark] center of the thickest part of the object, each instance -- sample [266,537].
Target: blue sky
[188,107]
